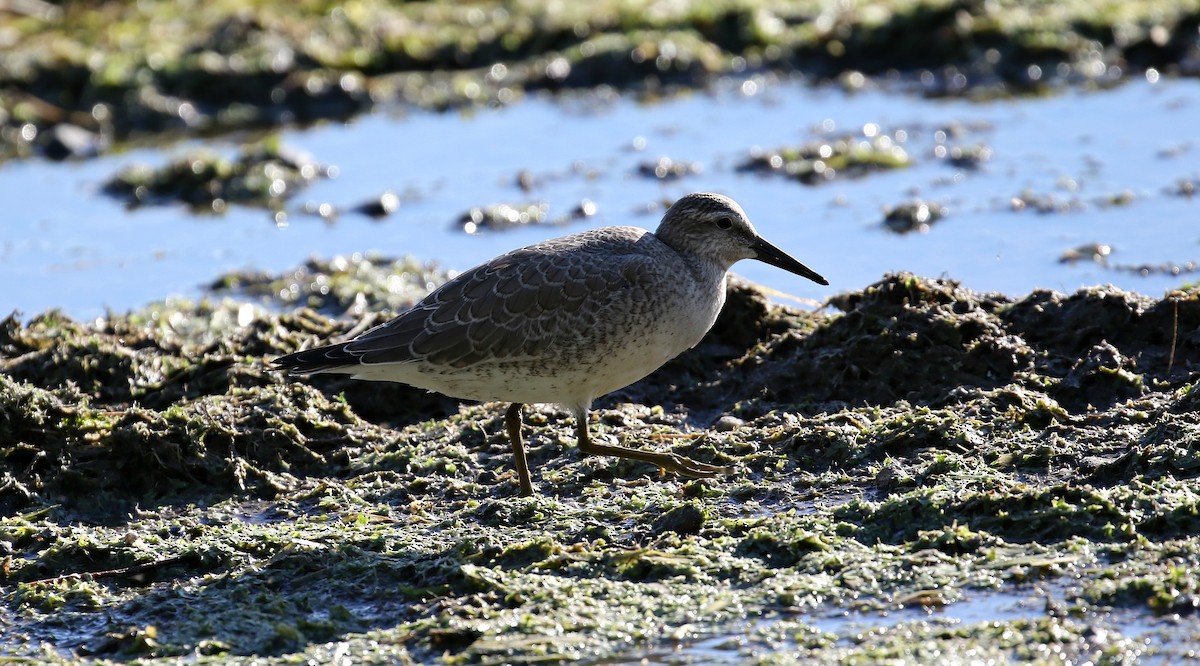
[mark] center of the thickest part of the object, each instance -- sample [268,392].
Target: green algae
[912,216]
[354,285]
[915,447]
[121,71]
[825,160]
[665,169]
[502,216]
[266,174]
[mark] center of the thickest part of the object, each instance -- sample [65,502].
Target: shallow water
[1165,640]
[69,246]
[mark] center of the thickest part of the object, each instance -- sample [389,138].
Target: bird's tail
[330,358]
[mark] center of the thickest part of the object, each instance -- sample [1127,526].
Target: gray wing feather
[507,308]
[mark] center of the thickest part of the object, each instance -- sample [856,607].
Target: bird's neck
[709,273]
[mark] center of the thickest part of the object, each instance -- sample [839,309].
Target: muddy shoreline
[78,79]
[912,445]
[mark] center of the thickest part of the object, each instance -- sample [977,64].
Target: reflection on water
[1167,640]
[1021,183]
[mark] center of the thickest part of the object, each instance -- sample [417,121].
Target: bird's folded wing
[516,307]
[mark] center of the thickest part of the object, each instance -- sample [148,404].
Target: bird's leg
[512,419]
[668,461]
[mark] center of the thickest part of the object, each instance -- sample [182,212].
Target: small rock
[65,141]
[666,169]
[915,216]
[1097,252]
[585,209]
[525,180]
[968,157]
[683,519]
[379,207]
[728,423]
[498,217]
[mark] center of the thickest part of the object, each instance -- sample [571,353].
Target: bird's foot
[692,468]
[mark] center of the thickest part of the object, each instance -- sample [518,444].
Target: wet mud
[909,446]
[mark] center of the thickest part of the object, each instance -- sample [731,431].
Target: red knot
[566,321]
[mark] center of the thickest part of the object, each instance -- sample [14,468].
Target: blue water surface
[64,244]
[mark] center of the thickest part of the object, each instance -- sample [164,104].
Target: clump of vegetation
[824,160]
[266,174]
[913,216]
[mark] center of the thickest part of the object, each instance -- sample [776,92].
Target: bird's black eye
[724,223]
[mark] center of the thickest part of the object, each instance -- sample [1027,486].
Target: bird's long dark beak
[769,254]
